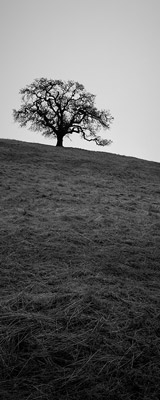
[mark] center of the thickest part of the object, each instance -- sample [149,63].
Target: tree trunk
[59,141]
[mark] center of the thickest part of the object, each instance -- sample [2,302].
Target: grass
[80,276]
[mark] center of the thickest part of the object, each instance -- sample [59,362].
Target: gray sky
[112,47]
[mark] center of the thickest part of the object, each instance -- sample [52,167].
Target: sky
[112,47]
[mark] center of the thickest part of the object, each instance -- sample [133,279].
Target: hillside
[79,274]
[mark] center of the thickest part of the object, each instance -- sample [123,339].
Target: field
[79,275]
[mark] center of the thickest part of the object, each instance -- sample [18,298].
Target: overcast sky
[112,47]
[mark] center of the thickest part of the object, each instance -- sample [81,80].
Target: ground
[80,276]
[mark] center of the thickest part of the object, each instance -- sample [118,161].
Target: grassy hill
[79,275]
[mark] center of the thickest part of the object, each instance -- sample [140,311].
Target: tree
[58,109]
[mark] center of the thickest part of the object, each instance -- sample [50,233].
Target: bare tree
[58,109]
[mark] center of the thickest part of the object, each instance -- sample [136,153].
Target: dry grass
[80,278]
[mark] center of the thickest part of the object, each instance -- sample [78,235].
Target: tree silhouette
[58,109]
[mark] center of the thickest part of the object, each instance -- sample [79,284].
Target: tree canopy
[58,108]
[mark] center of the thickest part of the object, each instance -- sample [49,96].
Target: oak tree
[58,108]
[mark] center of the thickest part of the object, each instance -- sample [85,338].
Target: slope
[80,278]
